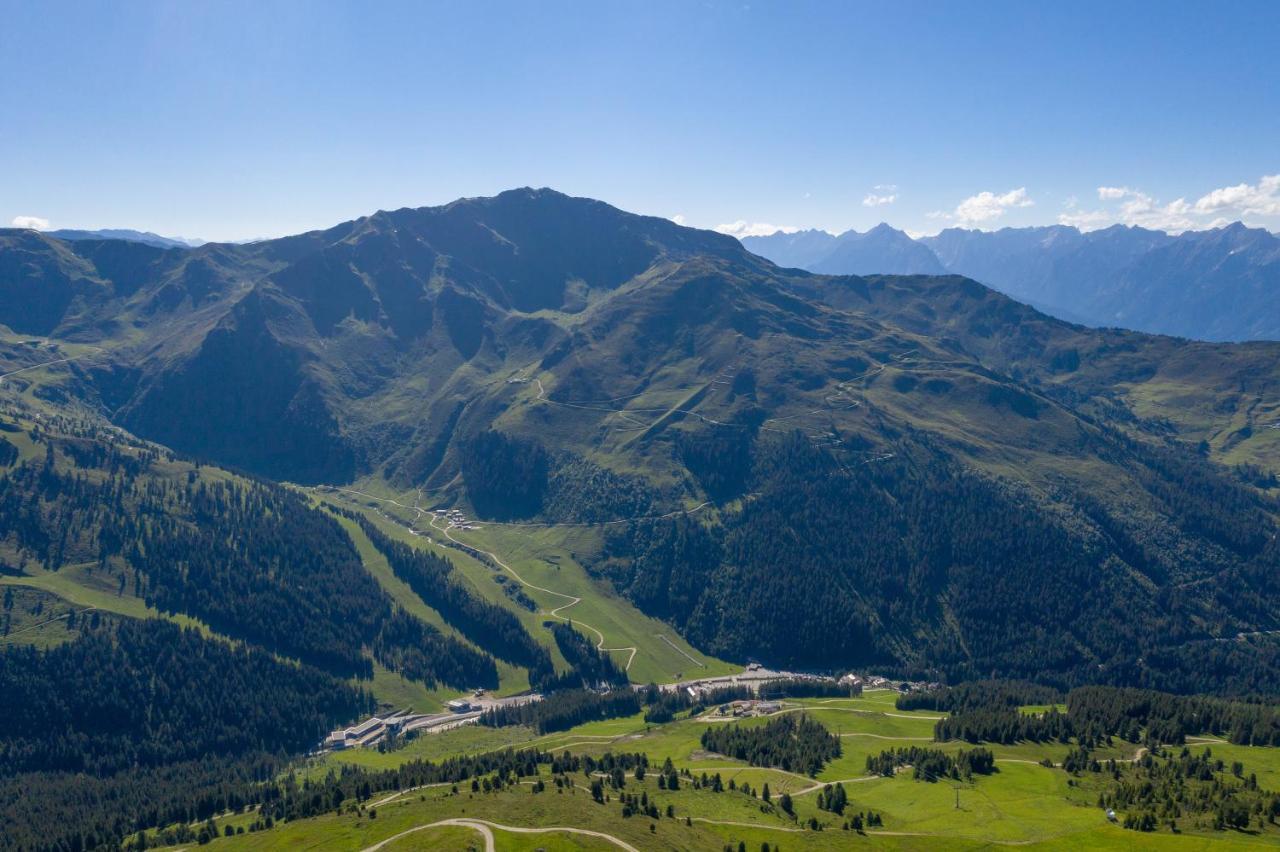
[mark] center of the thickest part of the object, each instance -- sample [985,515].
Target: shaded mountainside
[913,471]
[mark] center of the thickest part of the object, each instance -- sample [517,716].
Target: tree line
[931,764]
[989,712]
[565,709]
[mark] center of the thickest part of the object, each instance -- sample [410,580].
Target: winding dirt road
[485,827]
[573,600]
[570,600]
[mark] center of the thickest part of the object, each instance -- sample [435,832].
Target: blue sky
[242,120]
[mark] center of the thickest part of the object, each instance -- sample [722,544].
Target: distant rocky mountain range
[127,234]
[1221,284]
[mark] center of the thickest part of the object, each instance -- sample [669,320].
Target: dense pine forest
[250,560]
[149,693]
[794,743]
[863,555]
[988,711]
[590,667]
[142,723]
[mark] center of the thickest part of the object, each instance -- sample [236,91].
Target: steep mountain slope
[1057,266]
[907,470]
[1217,285]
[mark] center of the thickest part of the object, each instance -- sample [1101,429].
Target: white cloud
[743,228]
[679,219]
[1243,199]
[1087,220]
[1136,208]
[986,206]
[1140,208]
[873,200]
[33,222]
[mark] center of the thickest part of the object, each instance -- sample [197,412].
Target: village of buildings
[380,729]
[467,711]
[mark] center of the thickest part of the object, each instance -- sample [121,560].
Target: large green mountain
[916,471]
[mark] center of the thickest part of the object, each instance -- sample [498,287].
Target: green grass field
[79,587]
[1022,804]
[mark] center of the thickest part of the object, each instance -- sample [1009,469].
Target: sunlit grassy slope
[1023,804]
[543,557]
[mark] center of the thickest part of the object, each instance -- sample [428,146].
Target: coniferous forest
[250,560]
[891,537]
[136,723]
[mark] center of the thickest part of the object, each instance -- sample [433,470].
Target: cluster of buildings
[368,732]
[857,683]
[459,711]
[455,518]
[749,707]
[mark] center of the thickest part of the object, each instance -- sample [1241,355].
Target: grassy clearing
[1028,806]
[32,616]
[82,587]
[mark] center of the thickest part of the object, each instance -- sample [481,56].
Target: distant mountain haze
[1221,284]
[127,235]
[867,254]
[851,253]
